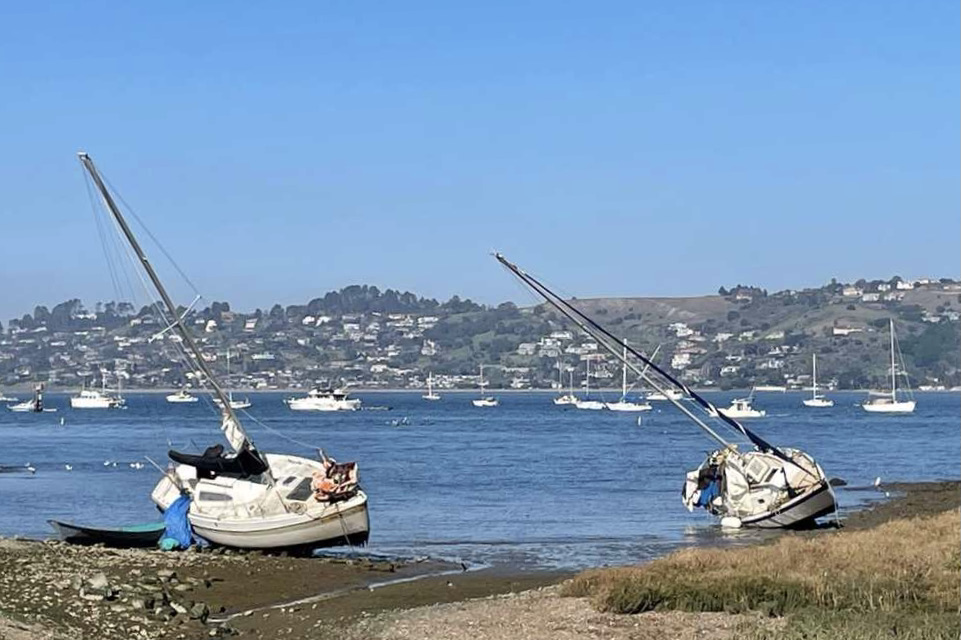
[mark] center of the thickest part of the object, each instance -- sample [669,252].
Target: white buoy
[730,522]
[62,421]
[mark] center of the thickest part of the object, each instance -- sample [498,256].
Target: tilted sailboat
[816,400]
[767,487]
[245,498]
[888,402]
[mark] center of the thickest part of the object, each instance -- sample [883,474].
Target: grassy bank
[899,579]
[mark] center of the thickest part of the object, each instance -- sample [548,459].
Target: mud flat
[893,568]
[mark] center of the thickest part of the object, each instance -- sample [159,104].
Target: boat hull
[628,407]
[94,403]
[590,405]
[890,407]
[799,512]
[341,523]
[137,537]
[818,403]
[485,403]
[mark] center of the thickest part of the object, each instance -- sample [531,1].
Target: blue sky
[613,148]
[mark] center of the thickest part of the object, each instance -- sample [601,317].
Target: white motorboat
[93,399]
[4,398]
[33,405]
[816,401]
[243,497]
[484,400]
[664,396]
[766,487]
[182,397]
[324,400]
[889,402]
[624,404]
[430,395]
[740,408]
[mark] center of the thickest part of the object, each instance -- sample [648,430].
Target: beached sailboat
[816,400]
[243,497]
[586,402]
[624,404]
[888,402]
[484,400]
[430,395]
[767,486]
[567,398]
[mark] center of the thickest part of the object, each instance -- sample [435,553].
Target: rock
[76,583]
[118,608]
[183,588]
[166,574]
[179,608]
[199,611]
[92,597]
[98,581]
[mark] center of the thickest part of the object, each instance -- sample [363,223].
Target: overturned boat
[760,486]
[242,497]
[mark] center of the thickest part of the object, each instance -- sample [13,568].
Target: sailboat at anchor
[243,497]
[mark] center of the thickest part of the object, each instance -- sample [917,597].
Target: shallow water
[527,483]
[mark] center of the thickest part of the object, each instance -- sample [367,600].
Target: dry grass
[900,579]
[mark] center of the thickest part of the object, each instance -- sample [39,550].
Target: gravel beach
[51,590]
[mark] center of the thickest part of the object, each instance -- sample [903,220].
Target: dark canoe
[138,535]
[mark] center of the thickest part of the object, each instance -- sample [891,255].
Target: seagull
[68,467]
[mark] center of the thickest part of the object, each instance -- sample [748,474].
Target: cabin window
[213,497]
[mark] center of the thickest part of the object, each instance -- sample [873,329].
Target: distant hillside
[365,336]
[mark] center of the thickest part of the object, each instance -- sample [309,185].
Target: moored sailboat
[816,400]
[889,402]
[624,404]
[767,487]
[484,400]
[567,398]
[244,497]
[430,395]
[586,402]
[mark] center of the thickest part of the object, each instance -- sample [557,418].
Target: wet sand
[53,590]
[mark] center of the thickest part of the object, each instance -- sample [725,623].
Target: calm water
[526,483]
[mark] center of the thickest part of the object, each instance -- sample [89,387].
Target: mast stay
[231,427]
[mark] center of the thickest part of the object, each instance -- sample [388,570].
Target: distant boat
[430,395]
[33,405]
[586,402]
[771,387]
[182,397]
[888,402]
[324,400]
[815,400]
[669,394]
[103,399]
[624,404]
[741,408]
[569,397]
[484,400]
[135,536]
[4,398]
[234,403]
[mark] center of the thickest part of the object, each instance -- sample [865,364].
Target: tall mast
[624,376]
[587,378]
[814,375]
[235,433]
[894,377]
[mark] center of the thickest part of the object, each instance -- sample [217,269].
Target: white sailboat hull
[565,400]
[322,404]
[485,402]
[818,402]
[628,406]
[339,522]
[430,396]
[590,405]
[802,510]
[906,406]
[95,403]
[739,414]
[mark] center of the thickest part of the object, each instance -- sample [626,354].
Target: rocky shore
[52,591]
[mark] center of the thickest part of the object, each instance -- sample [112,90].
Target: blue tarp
[708,493]
[177,534]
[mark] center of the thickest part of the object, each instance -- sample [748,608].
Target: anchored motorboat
[94,399]
[667,394]
[765,486]
[324,400]
[882,402]
[816,400]
[243,497]
[182,397]
[741,408]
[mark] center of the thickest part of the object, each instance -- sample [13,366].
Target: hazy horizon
[617,150]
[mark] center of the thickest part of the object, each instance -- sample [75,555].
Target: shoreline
[52,590]
[28,389]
